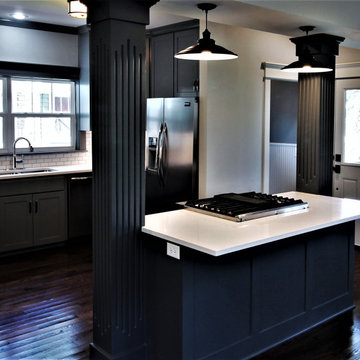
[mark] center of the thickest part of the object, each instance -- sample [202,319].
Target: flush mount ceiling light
[18,16]
[205,49]
[77,9]
[306,62]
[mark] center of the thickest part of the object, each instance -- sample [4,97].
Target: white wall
[231,109]
[38,47]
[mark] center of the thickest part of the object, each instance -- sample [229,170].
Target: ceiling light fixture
[77,9]
[18,16]
[205,49]
[306,62]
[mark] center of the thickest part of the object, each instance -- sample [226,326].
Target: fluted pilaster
[316,115]
[117,59]
[315,133]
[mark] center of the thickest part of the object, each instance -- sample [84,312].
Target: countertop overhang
[216,236]
[55,170]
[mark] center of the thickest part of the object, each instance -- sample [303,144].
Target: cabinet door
[186,71]
[162,65]
[16,231]
[49,217]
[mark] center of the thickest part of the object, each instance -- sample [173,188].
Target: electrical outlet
[173,250]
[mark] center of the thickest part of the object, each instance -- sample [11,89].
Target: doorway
[283,134]
[279,132]
[346,175]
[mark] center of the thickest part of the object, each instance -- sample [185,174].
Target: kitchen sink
[25,171]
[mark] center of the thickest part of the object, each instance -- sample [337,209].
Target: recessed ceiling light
[18,16]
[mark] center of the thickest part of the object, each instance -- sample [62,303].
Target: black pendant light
[306,62]
[77,9]
[206,49]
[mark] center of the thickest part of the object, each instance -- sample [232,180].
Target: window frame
[9,116]
[3,113]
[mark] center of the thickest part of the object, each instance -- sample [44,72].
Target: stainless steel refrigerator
[171,152]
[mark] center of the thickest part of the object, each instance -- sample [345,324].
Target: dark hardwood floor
[46,303]
[46,312]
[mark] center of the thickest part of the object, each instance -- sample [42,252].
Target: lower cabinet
[32,219]
[49,218]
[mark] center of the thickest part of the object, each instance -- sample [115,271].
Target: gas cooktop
[245,206]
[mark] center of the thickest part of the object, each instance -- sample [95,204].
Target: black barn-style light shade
[306,62]
[77,9]
[206,49]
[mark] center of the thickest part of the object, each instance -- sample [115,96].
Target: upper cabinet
[162,65]
[170,77]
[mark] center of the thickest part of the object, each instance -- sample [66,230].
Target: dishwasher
[80,206]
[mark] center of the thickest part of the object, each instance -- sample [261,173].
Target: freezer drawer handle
[187,103]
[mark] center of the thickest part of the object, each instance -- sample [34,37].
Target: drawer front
[32,185]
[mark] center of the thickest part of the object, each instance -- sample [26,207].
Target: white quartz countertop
[216,236]
[55,170]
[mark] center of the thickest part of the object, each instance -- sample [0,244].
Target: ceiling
[277,16]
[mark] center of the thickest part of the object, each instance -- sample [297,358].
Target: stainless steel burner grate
[245,206]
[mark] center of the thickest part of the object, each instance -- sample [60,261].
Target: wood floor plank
[46,304]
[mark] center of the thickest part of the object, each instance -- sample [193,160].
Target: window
[352,126]
[2,83]
[41,110]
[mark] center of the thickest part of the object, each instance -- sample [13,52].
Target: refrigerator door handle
[163,156]
[157,153]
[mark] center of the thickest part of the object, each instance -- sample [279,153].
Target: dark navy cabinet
[33,212]
[170,77]
[237,305]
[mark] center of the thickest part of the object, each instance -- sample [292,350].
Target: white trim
[273,71]
[283,144]
[348,164]
[348,70]
[266,137]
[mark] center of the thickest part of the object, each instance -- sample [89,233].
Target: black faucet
[15,161]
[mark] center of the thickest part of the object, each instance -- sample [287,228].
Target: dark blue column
[315,133]
[117,86]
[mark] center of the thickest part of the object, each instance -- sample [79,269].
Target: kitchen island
[241,288]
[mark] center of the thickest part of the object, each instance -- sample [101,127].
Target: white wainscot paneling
[282,168]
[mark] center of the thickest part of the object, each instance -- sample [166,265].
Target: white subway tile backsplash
[61,159]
